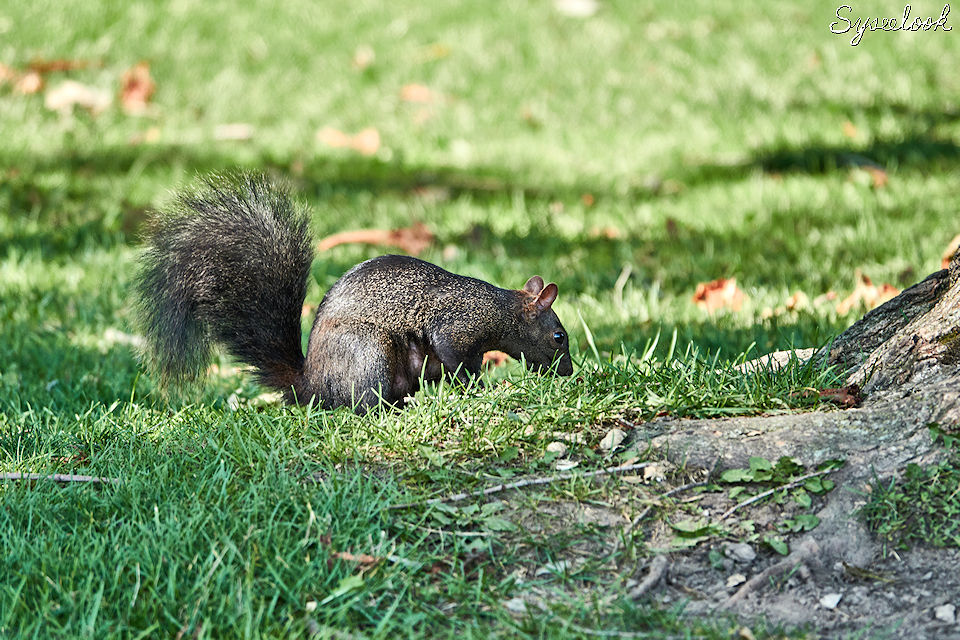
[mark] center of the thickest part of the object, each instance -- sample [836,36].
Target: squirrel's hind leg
[354,368]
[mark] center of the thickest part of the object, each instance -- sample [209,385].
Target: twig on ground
[804,551]
[675,490]
[760,496]
[57,477]
[523,483]
[658,568]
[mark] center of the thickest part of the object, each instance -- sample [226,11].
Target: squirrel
[228,263]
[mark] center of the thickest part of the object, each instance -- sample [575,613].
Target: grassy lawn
[627,156]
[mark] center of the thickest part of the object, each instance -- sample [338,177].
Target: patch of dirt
[894,596]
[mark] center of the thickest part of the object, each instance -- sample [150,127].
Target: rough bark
[905,355]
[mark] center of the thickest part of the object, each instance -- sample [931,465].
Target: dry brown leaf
[362,559]
[867,294]
[366,142]
[494,359]
[798,300]
[845,397]
[952,247]
[49,66]
[849,129]
[412,240]
[588,200]
[878,177]
[68,94]
[417,93]
[137,88]
[719,294]
[29,83]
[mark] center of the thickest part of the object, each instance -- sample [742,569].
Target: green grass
[627,157]
[922,507]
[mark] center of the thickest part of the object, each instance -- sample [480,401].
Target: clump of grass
[922,507]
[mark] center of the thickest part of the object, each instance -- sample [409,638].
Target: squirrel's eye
[558,336]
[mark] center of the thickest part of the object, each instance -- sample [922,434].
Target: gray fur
[229,265]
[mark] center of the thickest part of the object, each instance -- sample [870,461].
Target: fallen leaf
[719,294]
[28,83]
[366,142]
[413,239]
[588,200]
[70,93]
[878,177]
[137,88]
[48,66]
[417,93]
[494,359]
[867,294]
[798,300]
[952,247]
[362,559]
[233,131]
[845,397]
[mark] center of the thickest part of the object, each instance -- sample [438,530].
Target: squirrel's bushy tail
[228,263]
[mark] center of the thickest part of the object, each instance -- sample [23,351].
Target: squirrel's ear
[546,297]
[534,285]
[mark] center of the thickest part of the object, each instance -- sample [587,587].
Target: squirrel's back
[404,292]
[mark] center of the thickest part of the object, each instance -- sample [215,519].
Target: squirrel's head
[543,341]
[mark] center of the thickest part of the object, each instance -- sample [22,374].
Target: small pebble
[831,600]
[740,551]
[613,439]
[946,612]
[736,579]
[557,447]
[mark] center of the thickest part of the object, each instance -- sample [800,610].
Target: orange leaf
[417,93]
[867,294]
[137,88]
[363,559]
[878,177]
[951,249]
[412,240]
[798,300]
[849,129]
[494,359]
[719,294]
[30,82]
[366,142]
